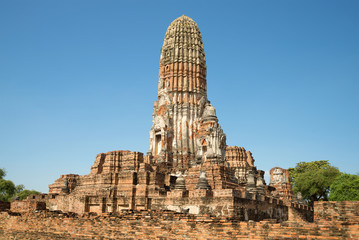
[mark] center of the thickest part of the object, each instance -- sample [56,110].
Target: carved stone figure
[278,176]
[280,180]
[180,182]
[202,181]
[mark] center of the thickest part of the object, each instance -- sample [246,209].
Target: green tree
[19,188]
[313,179]
[345,188]
[2,173]
[8,189]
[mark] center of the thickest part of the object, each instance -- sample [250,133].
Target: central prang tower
[189,168]
[185,127]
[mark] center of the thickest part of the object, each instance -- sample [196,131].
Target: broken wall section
[167,224]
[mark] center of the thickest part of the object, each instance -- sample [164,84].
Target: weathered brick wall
[225,202]
[300,213]
[27,206]
[345,211]
[163,225]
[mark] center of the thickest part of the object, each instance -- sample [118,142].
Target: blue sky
[78,78]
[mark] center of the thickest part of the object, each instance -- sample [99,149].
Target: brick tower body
[189,167]
[183,109]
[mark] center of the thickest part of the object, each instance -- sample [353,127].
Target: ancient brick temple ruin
[189,167]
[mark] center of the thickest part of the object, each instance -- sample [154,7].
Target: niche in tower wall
[95,204]
[172,181]
[135,179]
[122,202]
[149,203]
[158,143]
[104,208]
[204,147]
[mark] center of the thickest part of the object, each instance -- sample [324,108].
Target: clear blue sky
[78,78]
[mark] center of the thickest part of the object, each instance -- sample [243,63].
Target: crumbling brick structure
[27,206]
[343,224]
[189,167]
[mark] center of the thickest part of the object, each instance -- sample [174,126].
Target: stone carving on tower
[279,178]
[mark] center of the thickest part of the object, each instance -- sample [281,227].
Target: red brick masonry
[27,206]
[333,220]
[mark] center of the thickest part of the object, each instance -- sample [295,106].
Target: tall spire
[182,95]
[183,43]
[183,62]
